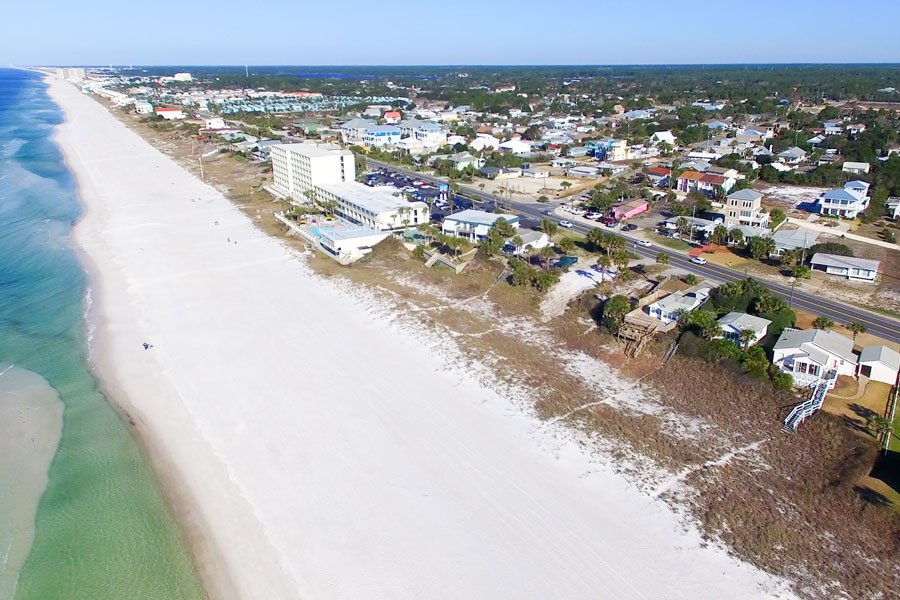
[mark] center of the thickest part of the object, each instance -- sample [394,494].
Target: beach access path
[313,448]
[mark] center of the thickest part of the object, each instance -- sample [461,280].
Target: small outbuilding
[879,363]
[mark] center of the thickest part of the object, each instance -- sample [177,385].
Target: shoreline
[456,464]
[212,568]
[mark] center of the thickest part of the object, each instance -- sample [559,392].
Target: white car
[644,243]
[698,261]
[566,224]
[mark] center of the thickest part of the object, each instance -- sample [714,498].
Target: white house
[169,113]
[856,168]
[734,323]
[879,363]
[463,160]
[792,156]
[663,137]
[517,147]
[474,224]
[352,131]
[811,354]
[851,267]
[143,107]
[214,123]
[667,309]
[532,239]
[484,141]
[847,202]
[378,136]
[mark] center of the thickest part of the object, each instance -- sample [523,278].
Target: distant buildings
[73,74]
[182,77]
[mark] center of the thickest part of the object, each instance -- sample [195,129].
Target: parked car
[630,227]
[566,224]
[698,260]
[644,243]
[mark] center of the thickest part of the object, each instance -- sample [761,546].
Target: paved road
[841,313]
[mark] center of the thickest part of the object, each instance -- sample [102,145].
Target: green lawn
[668,242]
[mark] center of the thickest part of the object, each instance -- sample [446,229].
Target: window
[800,367]
[813,370]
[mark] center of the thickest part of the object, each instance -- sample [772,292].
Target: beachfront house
[879,363]
[532,239]
[734,323]
[848,201]
[668,308]
[474,224]
[851,267]
[810,355]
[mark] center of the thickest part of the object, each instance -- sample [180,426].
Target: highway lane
[841,313]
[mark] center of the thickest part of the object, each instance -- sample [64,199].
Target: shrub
[831,248]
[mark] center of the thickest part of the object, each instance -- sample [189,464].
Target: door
[865,370]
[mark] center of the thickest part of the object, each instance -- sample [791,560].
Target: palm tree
[663,259]
[547,253]
[879,426]
[517,242]
[823,323]
[857,328]
[747,336]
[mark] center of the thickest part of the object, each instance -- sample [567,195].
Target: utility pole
[791,300]
[200,160]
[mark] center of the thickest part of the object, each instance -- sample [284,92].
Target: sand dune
[315,449]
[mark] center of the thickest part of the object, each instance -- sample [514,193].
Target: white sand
[318,451]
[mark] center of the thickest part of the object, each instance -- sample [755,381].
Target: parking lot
[418,190]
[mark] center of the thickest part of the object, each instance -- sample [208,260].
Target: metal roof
[844,262]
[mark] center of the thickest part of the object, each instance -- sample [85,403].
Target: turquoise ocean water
[102,529]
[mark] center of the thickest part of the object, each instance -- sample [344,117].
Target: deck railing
[806,409]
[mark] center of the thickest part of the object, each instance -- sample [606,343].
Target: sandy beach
[313,448]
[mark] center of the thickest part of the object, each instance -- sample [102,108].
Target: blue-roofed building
[847,202]
[380,135]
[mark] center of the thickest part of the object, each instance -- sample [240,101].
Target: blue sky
[459,32]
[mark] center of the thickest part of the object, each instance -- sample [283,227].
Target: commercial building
[374,207]
[327,173]
[182,77]
[299,168]
[143,107]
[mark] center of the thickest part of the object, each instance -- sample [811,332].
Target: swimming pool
[317,231]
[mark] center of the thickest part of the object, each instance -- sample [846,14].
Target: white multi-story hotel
[329,173]
[299,168]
